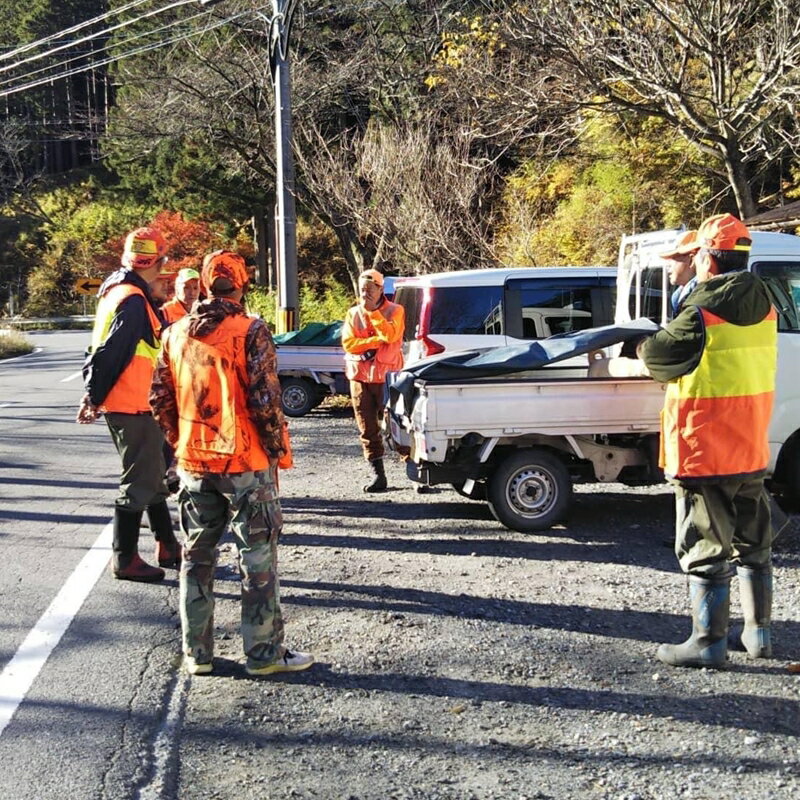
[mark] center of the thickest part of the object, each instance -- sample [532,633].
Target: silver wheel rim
[294,398]
[531,492]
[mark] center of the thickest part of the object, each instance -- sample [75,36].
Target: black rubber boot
[168,551]
[755,594]
[379,483]
[708,644]
[126,563]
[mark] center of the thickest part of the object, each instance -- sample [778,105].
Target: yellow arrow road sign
[88,285]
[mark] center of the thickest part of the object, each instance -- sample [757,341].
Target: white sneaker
[195,667]
[288,662]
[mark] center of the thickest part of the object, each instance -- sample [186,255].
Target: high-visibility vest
[173,310]
[215,432]
[388,355]
[715,419]
[129,395]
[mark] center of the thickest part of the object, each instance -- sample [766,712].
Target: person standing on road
[680,268]
[117,375]
[372,337]
[187,291]
[217,397]
[718,358]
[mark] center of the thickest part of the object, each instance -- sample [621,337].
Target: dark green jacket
[740,298]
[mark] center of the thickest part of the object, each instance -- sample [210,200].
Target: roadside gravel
[457,659]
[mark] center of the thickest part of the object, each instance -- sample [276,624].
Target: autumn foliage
[188,242]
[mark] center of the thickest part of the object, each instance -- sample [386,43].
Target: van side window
[410,297]
[783,283]
[539,308]
[466,310]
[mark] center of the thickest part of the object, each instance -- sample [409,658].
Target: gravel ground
[458,659]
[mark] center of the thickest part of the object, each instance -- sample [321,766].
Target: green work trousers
[722,522]
[248,504]
[139,442]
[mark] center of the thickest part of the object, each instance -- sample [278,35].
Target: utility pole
[280,24]
[287,318]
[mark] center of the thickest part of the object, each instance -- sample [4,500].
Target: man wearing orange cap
[117,375]
[187,291]
[718,358]
[217,397]
[372,338]
[680,268]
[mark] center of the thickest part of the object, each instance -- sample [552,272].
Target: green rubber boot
[708,644]
[755,594]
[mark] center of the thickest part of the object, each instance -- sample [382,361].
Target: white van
[495,307]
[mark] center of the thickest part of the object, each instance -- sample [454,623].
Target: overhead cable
[122,43]
[121,56]
[89,37]
[53,36]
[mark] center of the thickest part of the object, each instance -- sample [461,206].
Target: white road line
[20,673]
[72,377]
[4,361]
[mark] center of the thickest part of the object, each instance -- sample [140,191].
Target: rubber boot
[379,483]
[708,644]
[168,551]
[755,593]
[126,563]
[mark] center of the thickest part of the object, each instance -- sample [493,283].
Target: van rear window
[467,310]
[783,283]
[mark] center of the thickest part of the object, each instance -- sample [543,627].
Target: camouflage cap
[226,268]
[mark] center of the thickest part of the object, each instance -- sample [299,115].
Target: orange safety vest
[380,330]
[715,419]
[173,310]
[215,432]
[129,395]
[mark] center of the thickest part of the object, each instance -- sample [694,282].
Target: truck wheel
[478,491]
[298,396]
[530,491]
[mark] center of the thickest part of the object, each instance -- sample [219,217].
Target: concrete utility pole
[287,318]
[280,24]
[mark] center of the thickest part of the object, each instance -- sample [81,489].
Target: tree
[725,75]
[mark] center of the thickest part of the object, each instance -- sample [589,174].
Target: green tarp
[315,334]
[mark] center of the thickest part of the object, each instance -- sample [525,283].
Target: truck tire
[530,491]
[298,396]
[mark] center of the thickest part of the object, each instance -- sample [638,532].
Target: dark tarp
[494,361]
[315,334]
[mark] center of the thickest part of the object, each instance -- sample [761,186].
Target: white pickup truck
[520,440]
[310,367]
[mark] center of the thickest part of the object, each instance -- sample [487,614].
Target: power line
[118,26]
[121,56]
[53,36]
[103,47]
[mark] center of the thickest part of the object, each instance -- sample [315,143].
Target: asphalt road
[87,725]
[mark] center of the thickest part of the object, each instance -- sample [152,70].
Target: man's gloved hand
[368,355]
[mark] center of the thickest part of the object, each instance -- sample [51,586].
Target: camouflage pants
[248,504]
[717,523]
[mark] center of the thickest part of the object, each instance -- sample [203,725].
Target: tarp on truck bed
[492,362]
[315,334]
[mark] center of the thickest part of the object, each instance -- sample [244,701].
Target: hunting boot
[168,551]
[708,644]
[379,483]
[126,564]
[755,593]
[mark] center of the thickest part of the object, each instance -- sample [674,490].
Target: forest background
[429,136]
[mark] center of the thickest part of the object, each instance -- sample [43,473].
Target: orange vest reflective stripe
[388,356]
[130,393]
[715,420]
[173,310]
[215,432]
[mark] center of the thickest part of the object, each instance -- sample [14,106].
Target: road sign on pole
[88,285]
